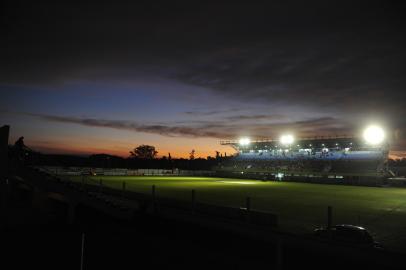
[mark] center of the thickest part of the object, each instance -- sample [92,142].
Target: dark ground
[38,238]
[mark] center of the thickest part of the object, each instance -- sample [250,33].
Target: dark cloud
[211,112]
[345,59]
[328,72]
[324,126]
[165,130]
[45,41]
[220,130]
[221,115]
[256,117]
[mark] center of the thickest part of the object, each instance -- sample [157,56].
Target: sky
[83,78]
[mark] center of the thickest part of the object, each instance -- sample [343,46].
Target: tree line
[142,156]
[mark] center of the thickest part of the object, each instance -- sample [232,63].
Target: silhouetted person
[20,150]
[19,144]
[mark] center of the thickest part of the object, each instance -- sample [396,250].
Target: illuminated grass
[300,206]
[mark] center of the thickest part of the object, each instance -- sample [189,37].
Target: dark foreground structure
[45,218]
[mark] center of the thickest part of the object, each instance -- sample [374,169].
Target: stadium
[356,160]
[256,190]
[203,135]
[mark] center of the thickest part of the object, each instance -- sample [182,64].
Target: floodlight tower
[374,135]
[287,139]
[244,141]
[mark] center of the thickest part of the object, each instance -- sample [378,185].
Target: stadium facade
[339,157]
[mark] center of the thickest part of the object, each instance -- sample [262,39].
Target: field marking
[237,182]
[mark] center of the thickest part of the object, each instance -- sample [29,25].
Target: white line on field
[237,182]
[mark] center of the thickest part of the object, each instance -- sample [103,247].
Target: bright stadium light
[374,135]
[244,141]
[286,139]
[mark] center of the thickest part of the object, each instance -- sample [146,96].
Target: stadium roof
[319,142]
[315,138]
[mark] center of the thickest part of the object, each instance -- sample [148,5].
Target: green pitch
[301,207]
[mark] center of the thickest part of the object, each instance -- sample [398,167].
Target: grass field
[301,207]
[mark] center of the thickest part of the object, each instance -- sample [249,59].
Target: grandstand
[329,157]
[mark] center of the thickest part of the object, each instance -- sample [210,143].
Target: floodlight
[286,139]
[244,141]
[374,135]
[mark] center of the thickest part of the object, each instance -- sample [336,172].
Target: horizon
[394,155]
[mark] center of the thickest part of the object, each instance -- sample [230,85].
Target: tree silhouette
[192,154]
[144,152]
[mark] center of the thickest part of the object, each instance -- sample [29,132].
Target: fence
[298,219]
[153,202]
[75,171]
[94,190]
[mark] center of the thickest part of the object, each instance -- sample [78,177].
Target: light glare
[244,141]
[374,135]
[286,139]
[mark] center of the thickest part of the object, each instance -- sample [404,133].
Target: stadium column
[193,200]
[83,182]
[248,208]
[154,203]
[123,189]
[100,185]
[279,254]
[329,217]
[71,215]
